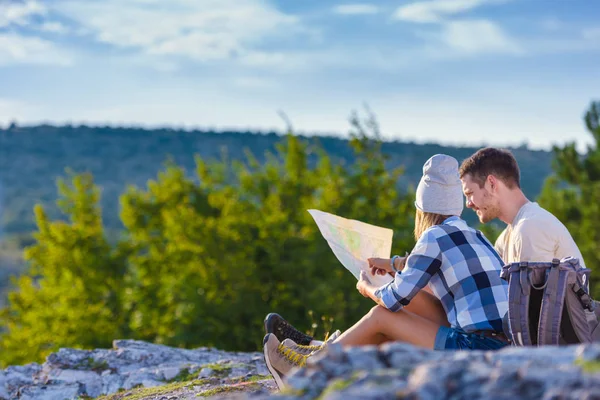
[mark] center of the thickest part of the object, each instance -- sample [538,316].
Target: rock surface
[136,366]
[140,370]
[397,370]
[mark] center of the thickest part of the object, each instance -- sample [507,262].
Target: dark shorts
[456,339]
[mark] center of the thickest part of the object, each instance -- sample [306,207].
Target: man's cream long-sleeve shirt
[536,235]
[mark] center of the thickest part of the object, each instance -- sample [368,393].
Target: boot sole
[272,370]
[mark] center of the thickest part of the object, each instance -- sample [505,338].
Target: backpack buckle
[555,262]
[585,299]
[523,264]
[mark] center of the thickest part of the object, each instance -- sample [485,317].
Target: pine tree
[211,259]
[572,193]
[70,296]
[203,258]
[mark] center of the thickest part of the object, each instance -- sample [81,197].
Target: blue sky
[475,72]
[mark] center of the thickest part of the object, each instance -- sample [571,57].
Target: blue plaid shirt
[462,269]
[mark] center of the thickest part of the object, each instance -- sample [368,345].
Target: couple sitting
[447,294]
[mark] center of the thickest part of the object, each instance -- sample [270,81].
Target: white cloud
[19,49]
[263,59]
[53,27]
[355,9]
[497,119]
[251,82]
[12,110]
[9,110]
[551,24]
[451,37]
[477,36]
[200,30]
[19,13]
[434,10]
[583,41]
[591,34]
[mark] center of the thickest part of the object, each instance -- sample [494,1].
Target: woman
[451,264]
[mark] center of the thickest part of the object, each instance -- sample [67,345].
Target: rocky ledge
[402,371]
[140,370]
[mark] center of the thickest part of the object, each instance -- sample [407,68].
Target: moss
[185,380]
[228,389]
[92,364]
[591,367]
[222,370]
[337,385]
[254,378]
[183,376]
[288,391]
[219,366]
[142,393]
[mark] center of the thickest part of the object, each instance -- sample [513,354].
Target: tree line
[202,257]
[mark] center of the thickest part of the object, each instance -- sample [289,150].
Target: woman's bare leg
[426,305]
[381,325]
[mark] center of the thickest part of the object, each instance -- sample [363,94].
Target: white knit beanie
[440,190]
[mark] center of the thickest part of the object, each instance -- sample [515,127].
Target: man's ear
[493,182]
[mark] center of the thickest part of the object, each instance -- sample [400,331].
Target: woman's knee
[378,312]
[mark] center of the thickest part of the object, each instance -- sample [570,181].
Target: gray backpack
[549,303]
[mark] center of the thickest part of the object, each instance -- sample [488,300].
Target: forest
[189,238]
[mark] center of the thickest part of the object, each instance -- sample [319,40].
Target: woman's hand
[382,266]
[367,289]
[364,286]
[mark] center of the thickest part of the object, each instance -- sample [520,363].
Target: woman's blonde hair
[425,220]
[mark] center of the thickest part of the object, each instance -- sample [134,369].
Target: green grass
[234,385]
[142,393]
[337,385]
[228,389]
[184,375]
[90,364]
[590,367]
[255,378]
[288,391]
[222,370]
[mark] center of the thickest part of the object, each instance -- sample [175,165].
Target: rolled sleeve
[424,261]
[386,294]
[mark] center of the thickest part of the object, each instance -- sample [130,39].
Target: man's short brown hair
[491,161]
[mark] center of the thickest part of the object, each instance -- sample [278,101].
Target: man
[491,184]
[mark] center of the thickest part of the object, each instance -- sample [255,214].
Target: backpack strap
[518,310]
[524,278]
[584,297]
[552,305]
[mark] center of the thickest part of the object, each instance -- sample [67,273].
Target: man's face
[480,199]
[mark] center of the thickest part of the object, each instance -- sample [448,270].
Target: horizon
[244,131]
[462,73]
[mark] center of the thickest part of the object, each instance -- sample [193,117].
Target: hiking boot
[301,349]
[282,330]
[280,360]
[309,349]
[334,335]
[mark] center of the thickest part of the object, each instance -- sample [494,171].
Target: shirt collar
[520,213]
[451,219]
